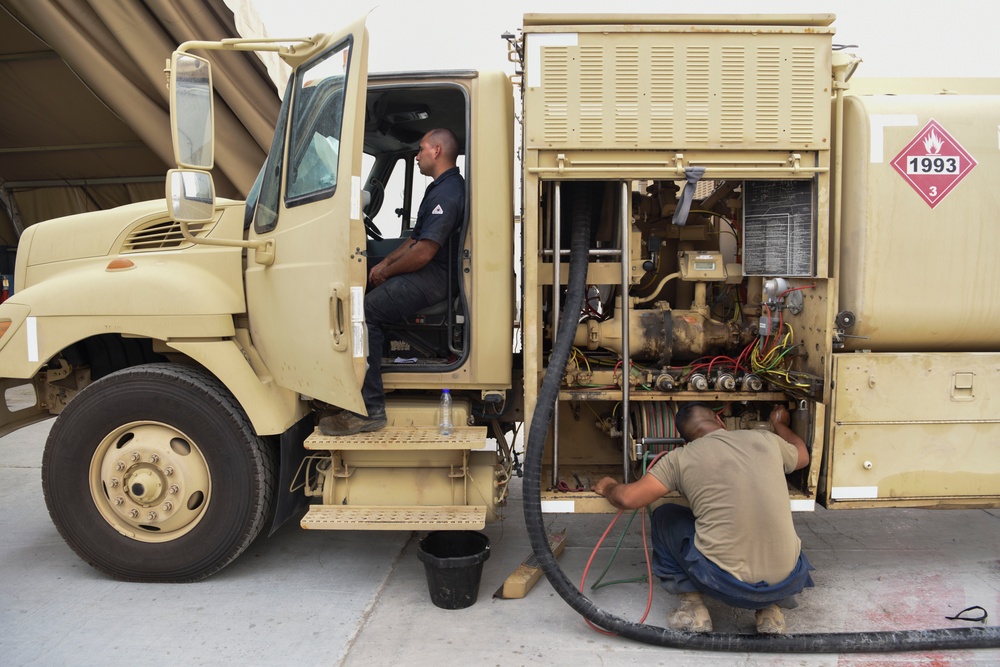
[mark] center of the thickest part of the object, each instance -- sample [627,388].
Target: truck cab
[187,386]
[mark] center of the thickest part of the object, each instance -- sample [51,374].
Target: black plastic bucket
[453,560]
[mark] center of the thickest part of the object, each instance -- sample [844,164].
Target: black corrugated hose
[827,642]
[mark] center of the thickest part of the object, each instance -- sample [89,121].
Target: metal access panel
[676,82]
[915,429]
[779,228]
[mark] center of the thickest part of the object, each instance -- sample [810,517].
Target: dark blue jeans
[683,569]
[390,303]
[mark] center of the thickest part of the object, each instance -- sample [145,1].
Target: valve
[725,382]
[698,382]
[752,382]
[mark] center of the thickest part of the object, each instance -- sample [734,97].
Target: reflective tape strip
[558,506]
[801,505]
[355,197]
[31,328]
[853,492]
[878,123]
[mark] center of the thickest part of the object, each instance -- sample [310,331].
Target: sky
[910,38]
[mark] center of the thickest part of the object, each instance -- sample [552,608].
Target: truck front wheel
[154,473]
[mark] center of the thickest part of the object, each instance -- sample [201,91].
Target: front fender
[271,409]
[16,349]
[38,339]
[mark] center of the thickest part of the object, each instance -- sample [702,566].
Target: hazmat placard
[933,163]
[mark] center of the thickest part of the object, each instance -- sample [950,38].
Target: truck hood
[94,234]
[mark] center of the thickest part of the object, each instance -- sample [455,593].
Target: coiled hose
[828,642]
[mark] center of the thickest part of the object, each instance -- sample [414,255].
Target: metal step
[401,437]
[354,517]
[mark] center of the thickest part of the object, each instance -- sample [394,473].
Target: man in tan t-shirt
[736,542]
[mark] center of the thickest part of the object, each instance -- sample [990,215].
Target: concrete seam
[370,609]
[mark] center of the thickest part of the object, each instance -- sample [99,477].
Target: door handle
[337,317]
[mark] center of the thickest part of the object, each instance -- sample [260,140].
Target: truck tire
[154,474]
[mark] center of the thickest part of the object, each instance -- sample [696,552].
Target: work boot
[348,423]
[770,620]
[691,615]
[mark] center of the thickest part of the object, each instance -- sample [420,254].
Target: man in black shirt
[412,277]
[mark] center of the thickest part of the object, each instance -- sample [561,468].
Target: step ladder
[401,437]
[397,438]
[348,517]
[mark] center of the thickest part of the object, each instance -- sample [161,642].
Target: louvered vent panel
[732,109]
[627,94]
[803,116]
[591,110]
[737,90]
[162,235]
[661,94]
[555,83]
[768,85]
[699,84]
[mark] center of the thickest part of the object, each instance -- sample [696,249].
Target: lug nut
[135,456]
[120,465]
[114,482]
[168,470]
[154,458]
[174,488]
[167,506]
[119,501]
[134,513]
[152,516]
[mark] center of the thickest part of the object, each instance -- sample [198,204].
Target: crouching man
[736,543]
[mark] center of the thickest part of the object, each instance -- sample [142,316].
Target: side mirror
[190,195]
[192,124]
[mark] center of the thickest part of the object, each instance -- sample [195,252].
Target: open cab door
[306,307]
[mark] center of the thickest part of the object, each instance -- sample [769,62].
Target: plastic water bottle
[445,427]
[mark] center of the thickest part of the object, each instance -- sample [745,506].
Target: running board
[401,437]
[356,517]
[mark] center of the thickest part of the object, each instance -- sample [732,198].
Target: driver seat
[436,331]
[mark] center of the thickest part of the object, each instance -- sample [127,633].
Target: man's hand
[779,415]
[603,486]
[408,257]
[780,419]
[377,275]
[630,496]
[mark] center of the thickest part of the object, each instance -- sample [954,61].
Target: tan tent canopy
[84,121]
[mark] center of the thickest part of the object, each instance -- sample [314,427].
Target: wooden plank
[529,572]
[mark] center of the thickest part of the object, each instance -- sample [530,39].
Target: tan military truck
[754,233]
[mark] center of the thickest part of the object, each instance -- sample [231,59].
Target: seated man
[412,277]
[736,543]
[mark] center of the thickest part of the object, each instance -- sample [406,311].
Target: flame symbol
[933,143]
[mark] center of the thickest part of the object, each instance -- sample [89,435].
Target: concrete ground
[354,598]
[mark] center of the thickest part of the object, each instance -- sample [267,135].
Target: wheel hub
[145,485]
[150,481]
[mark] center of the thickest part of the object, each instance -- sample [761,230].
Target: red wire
[645,552]
[795,289]
[649,568]
[586,569]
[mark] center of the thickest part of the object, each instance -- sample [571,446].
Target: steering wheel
[377,194]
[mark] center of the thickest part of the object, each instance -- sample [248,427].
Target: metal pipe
[626,229]
[556,222]
[594,252]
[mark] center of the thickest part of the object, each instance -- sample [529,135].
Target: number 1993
[938,164]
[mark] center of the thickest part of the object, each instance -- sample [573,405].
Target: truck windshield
[317,116]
